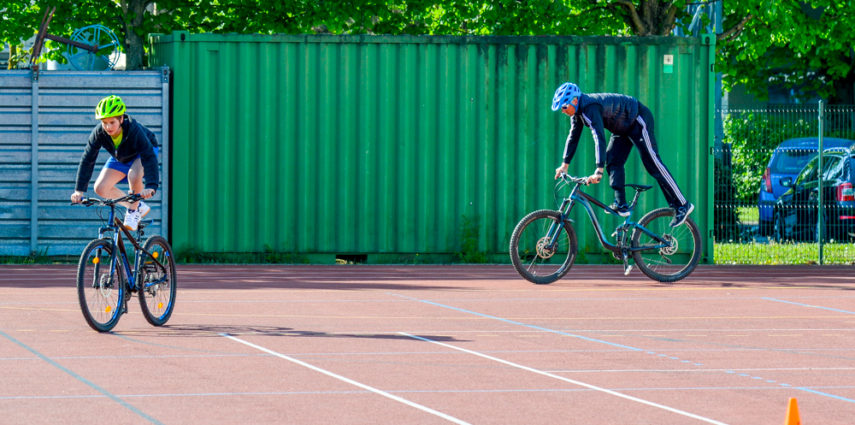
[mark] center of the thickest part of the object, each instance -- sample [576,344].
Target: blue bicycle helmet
[565,95]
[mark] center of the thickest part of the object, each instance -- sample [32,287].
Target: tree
[806,47]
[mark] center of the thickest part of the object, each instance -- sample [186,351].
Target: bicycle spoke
[541,250]
[672,258]
[98,291]
[157,296]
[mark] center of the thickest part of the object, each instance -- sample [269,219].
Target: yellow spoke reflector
[155,254]
[109,309]
[160,306]
[96,260]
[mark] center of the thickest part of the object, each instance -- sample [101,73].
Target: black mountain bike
[106,280]
[543,244]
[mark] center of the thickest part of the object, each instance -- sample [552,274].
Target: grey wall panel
[44,125]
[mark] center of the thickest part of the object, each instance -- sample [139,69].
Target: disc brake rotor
[105,285]
[542,248]
[672,247]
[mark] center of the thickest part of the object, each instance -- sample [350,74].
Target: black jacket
[136,140]
[614,112]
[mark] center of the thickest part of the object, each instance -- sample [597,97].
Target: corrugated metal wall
[406,144]
[44,125]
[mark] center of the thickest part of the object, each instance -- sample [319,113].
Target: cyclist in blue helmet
[630,123]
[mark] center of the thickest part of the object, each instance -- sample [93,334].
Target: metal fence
[783,189]
[45,120]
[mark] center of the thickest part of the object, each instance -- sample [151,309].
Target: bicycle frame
[621,247]
[119,253]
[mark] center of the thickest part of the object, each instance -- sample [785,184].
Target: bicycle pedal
[627,269]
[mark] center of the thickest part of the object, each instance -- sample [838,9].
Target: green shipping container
[391,146]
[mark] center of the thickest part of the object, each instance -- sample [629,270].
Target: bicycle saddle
[639,187]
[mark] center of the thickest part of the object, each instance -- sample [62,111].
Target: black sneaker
[621,209]
[681,214]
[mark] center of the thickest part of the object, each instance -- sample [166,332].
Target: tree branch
[633,15]
[735,30]
[671,13]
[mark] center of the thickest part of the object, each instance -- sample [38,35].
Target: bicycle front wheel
[100,294]
[158,285]
[673,259]
[542,247]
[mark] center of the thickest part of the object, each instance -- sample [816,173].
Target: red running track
[264,344]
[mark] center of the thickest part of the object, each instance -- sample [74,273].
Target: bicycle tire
[100,298]
[648,261]
[527,247]
[158,301]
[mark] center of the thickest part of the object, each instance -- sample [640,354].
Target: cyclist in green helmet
[133,156]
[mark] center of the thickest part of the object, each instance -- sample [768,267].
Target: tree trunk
[650,17]
[134,51]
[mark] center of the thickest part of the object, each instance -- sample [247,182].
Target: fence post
[819,211]
[34,164]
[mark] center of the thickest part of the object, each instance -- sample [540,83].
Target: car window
[809,173]
[832,167]
[791,161]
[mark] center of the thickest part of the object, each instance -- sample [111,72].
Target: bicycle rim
[666,262]
[542,251]
[157,297]
[99,294]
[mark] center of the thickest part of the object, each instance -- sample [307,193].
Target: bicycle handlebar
[572,179]
[110,202]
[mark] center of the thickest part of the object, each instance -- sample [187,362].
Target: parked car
[795,211]
[787,160]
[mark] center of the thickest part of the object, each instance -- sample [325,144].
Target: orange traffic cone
[793,413]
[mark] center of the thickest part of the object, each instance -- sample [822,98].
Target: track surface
[437,344]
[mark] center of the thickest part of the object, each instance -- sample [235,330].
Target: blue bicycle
[543,245]
[106,280]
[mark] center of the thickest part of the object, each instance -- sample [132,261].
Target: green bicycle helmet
[110,106]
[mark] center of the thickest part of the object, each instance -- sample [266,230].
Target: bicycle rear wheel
[666,262]
[157,294]
[542,248]
[100,296]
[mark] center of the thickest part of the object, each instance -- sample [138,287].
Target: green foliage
[133,20]
[787,253]
[724,212]
[806,46]
[752,137]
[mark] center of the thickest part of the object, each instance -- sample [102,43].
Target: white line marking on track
[572,381]
[349,381]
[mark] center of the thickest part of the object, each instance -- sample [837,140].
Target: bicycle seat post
[635,199]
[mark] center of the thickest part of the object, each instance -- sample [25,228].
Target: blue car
[787,161]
